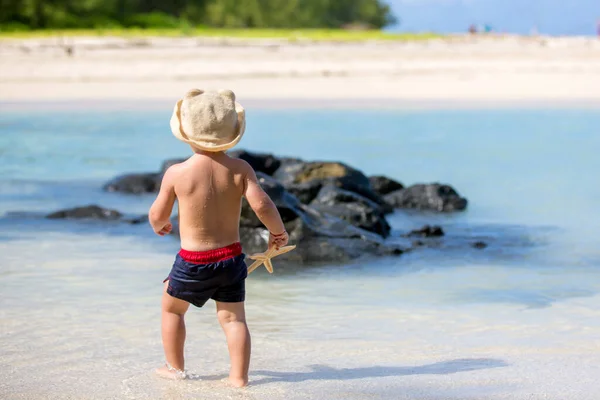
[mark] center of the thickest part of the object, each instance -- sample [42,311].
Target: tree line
[66,14]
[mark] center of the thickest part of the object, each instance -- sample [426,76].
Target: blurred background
[551,17]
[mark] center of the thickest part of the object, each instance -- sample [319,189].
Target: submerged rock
[86,212]
[142,182]
[433,197]
[427,231]
[135,183]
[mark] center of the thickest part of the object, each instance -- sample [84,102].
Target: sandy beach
[475,70]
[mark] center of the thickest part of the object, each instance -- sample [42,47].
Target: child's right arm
[265,209]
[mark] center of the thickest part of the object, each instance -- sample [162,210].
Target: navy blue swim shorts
[218,274]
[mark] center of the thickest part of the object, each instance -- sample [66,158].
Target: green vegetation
[182,15]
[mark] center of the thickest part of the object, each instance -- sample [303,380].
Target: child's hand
[165,230]
[278,240]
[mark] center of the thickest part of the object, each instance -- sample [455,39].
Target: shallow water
[79,308]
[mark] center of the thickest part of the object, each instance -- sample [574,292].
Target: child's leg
[173,332]
[233,321]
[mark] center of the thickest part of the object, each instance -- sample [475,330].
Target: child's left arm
[160,212]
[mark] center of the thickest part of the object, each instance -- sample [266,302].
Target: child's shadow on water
[323,372]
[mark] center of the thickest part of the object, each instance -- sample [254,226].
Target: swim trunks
[218,274]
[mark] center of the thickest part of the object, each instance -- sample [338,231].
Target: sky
[552,17]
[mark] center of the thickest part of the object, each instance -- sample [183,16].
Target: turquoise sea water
[530,177]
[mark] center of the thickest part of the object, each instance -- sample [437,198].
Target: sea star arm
[265,258]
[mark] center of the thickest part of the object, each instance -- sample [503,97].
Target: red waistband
[211,256]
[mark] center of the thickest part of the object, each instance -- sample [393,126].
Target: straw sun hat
[209,120]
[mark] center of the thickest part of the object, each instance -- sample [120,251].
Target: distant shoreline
[289,35]
[303,104]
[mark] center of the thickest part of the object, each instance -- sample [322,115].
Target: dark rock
[333,212]
[427,231]
[142,219]
[295,171]
[305,179]
[383,185]
[480,245]
[285,202]
[353,208]
[434,197]
[305,192]
[361,190]
[87,212]
[287,171]
[260,162]
[140,183]
[135,183]
[326,238]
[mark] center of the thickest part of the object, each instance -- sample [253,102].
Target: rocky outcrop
[383,185]
[140,183]
[432,197]
[297,171]
[94,212]
[305,192]
[135,183]
[306,179]
[86,212]
[353,208]
[321,238]
[332,211]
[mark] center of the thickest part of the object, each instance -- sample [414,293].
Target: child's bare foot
[167,372]
[236,383]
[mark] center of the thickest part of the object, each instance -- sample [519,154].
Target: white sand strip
[463,70]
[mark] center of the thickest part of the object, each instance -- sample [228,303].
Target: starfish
[265,258]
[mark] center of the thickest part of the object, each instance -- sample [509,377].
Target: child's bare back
[209,187]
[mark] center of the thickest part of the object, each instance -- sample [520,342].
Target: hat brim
[179,133]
